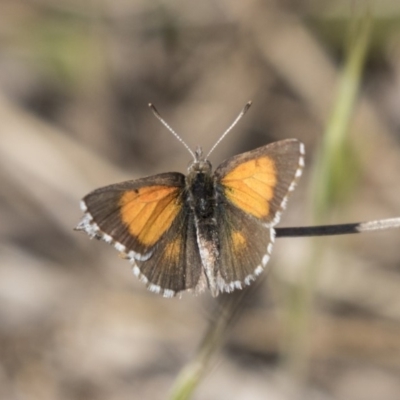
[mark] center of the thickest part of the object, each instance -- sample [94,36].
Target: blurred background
[75,81]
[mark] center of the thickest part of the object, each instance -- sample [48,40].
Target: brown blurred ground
[75,80]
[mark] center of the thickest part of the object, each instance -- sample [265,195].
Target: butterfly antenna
[238,118]
[158,116]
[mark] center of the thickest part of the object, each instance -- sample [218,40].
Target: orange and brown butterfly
[205,229]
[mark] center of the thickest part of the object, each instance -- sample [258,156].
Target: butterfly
[208,228]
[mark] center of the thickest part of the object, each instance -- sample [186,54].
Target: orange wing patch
[250,185]
[239,241]
[173,250]
[149,211]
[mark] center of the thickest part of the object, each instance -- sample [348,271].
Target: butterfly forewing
[258,182]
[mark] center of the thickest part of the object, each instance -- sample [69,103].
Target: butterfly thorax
[201,194]
[200,186]
[202,200]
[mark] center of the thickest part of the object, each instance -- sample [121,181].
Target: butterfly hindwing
[245,247]
[175,265]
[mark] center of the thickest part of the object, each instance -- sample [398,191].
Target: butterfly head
[200,164]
